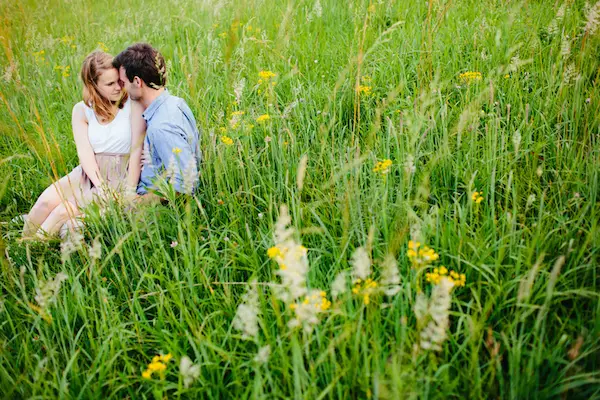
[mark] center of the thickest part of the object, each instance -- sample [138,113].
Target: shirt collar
[156,103]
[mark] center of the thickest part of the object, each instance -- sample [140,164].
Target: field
[439,162]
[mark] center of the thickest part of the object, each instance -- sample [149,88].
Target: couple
[126,111]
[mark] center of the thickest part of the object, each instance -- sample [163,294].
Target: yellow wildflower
[223,35]
[263,118]
[227,140]
[470,77]
[383,167]
[158,364]
[156,367]
[365,289]
[366,90]
[457,279]
[274,252]
[176,150]
[266,75]
[39,56]
[477,197]
[102,47]
[421,256]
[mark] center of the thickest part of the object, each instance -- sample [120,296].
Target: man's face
[134,89]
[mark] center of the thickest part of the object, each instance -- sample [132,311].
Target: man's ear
[137,81]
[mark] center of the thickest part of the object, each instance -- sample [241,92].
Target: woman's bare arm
[85,152]
[138,132]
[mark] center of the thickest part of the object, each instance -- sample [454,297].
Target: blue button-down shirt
[171,136]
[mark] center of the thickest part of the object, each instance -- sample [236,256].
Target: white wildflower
[316,12]
[560,14]
[238,90]
[409,165]
[565,46]
[246,316]
[9,72]
[390,276]
[288,109]
[421,306]
[171,171]
[47,290]
[95,250]
[306,312]
[73,241]
[339,285]
[263,354]
[361,264]
[235,120]
[317,9]
[592,19]
[515,63]
[516,139]
[189,371]
[435,332]
[190,176]
[530,200]
[553,28]
[146,157]
[301,172]
[291,257]
[571,74]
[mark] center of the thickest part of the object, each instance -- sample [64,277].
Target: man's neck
[150,96]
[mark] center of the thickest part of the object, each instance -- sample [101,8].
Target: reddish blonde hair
[93,66]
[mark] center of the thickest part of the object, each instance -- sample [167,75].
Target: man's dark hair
[144,61]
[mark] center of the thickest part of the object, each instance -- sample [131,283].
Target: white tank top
[114,137]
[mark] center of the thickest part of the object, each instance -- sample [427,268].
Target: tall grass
[171,277]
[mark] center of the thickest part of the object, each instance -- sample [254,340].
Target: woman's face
[108,84]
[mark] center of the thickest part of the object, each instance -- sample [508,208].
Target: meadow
[398,199]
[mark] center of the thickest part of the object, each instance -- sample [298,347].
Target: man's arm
[174,151]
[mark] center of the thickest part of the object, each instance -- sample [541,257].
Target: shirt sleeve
[173,150]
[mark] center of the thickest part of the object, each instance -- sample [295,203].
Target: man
[171,145]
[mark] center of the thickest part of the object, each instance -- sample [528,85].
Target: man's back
[172,141]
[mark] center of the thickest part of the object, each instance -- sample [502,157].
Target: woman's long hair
[93,66]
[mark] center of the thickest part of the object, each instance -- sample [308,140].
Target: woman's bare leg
[50,198]
[58,217]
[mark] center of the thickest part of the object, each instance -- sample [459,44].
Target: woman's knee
[48,201]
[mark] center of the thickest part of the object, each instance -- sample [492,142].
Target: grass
[526,324]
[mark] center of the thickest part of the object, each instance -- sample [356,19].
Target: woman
[105,125]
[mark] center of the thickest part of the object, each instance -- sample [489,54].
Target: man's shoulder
[171,107]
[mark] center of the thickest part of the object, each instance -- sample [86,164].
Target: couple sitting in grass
[129,131]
